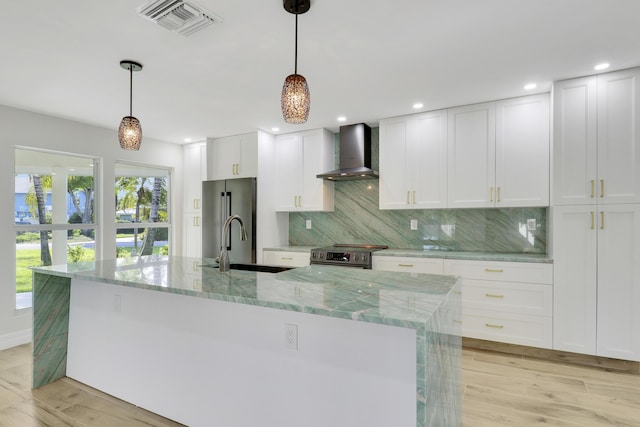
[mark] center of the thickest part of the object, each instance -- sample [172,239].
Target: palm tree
[154,216]
[36,202]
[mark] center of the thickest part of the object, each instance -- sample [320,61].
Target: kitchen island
[311,346]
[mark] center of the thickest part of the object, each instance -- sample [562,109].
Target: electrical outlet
[531,224]
[290,336]
[308,224]
[414,224]
[117,303]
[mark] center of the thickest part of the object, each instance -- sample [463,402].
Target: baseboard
[554,355]
[15,339]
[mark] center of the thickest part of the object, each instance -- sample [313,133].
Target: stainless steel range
[349,255]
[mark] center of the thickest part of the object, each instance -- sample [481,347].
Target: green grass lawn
[25,258]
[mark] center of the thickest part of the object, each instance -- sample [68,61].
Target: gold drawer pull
[408,201]
[405,265]
[498,194]
[494,296]
[490,325]
[593,188]
[414,197]
[491,194]
[196,221]
[287,258]
[494,270]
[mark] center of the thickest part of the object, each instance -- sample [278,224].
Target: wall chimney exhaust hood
[355,155]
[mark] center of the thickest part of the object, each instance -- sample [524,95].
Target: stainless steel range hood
[355,155]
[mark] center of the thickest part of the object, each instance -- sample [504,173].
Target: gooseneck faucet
[224,256]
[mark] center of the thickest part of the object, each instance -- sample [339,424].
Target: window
[53,213]
[142,216]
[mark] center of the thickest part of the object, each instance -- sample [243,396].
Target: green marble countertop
[291,248]
[390,298]
[417,253]
[479,256]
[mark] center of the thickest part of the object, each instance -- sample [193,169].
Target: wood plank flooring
[499,390]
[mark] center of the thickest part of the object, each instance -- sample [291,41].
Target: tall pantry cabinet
[596,215]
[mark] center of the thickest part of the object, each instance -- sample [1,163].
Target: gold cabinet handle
[602,188]
[299,201]
[196,221]
[493,295]
[414,197]
[494,270]
[196,265]
[196,203]
[405,265]
[593,221]
[498,194]
[491,194]
[491,325]
[593,188]
[601,220]
[408,202]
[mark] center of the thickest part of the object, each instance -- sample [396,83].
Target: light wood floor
[499,390]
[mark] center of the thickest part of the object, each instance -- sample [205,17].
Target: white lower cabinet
[286,258]
[408,264]
[596,252]
[510,302]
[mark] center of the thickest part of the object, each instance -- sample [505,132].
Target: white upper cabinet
[299,158]
[596,154]
[233,156]
[471,156]
[413,161]
[499,153]
[619,137]
[522,151]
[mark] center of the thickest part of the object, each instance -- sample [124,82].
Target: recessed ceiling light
[418,105]
[530,86]
[275,129]
[602,66]
[187,140]
[342,119]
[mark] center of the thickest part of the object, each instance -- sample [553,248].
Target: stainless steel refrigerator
[221,199]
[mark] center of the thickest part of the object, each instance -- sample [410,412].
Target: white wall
[27,129]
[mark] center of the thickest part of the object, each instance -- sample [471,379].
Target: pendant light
[296,99]
[130,131]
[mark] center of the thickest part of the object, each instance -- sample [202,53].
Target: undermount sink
[261,268]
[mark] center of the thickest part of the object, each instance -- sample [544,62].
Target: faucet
[224,256]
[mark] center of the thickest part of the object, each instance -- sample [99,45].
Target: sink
[261,268]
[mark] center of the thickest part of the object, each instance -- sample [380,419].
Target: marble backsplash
[357,219]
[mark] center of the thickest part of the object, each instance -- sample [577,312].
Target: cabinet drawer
[287,259]
[408,264]
[521,329]
[524,298]
[527,272]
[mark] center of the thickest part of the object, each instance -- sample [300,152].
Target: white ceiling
[363,59]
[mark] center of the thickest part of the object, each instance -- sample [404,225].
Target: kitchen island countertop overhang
[427,304]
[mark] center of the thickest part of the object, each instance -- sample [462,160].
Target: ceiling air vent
[176,15]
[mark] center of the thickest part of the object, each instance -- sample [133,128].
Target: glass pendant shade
[130,133]
[295,99]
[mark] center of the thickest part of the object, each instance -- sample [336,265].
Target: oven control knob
[313,255]
[321,255]
[356,257]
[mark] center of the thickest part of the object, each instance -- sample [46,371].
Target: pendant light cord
[295,68]
[131,90]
